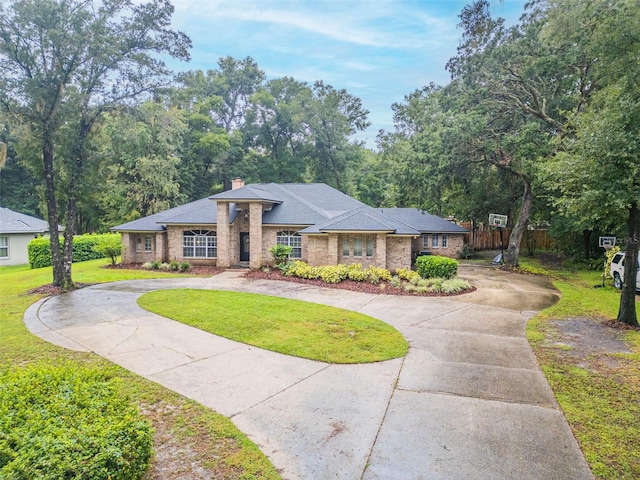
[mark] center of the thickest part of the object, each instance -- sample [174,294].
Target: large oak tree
[65,62]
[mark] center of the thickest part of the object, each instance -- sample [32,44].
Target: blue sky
[378,50]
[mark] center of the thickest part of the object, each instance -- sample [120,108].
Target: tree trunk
[627,312]
[68,244]
[52,207]
[513,251]
[77,159]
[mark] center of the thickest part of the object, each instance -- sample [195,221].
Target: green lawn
[185,425]
[292,327]
[599,392]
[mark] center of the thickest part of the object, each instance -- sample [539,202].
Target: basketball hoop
[500,222]
[607,242]
[497,220]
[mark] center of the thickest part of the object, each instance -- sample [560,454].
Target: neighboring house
[322,225]
[16,231]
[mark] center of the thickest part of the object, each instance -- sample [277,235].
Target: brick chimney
[237,183]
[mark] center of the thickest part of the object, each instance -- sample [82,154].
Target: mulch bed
[50,289]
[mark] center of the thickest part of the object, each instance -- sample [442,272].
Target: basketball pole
[501,246]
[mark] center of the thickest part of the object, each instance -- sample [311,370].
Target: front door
[244,246]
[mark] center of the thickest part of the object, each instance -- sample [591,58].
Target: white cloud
[386,24]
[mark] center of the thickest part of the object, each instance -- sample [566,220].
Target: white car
[617,270]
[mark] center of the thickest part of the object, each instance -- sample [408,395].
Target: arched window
[199,244]
[291,239]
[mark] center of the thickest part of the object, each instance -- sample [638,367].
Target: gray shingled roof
[201,211]
[422,221]
[316,205]
[14,222]
[307,204]
[251,192]
[365,219]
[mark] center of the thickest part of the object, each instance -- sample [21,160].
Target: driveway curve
[467,402]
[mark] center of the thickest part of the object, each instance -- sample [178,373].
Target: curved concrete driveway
[467,402]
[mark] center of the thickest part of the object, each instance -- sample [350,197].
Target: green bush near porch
[435,266]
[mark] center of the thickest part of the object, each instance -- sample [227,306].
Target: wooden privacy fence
[487,238]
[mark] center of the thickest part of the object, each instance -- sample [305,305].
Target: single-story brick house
[16,231]
[322,225]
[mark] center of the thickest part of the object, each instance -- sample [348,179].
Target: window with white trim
[291,239]
[445,240]
[199,244]
[144,243]
[370,246]
[345,247]
[357,246]
[4,247]
[425,241]
[434,240]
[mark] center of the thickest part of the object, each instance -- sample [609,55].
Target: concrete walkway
[467,402]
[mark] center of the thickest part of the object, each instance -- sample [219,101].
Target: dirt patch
[587,336]
[363,287]
[593,344]
[174,458]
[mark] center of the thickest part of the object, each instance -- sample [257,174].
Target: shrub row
[85,247]
[169,267]
[336,273]
[405,279]
[435,266]
[69,422]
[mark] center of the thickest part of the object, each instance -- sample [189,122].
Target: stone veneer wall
[174,241]
[455,242]
[398,252]
[317,252]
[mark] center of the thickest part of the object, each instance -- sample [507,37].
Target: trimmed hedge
[85,247]
[435,266]
[69,422]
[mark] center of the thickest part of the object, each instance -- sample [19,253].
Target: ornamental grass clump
[67,421]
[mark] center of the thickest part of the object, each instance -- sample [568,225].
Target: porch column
[381,250]
[255,235]
[332,249]
[160,247]
[222,234]
[128,248]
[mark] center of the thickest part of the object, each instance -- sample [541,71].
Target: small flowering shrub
[357,275]
[334,274]
[407,274]
[301,270]
[380,273]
